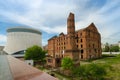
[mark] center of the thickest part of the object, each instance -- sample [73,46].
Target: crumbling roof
[61,33]
[92,24]
[53,37]
[80,29]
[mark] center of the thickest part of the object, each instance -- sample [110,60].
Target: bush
[67,63]
[90,72]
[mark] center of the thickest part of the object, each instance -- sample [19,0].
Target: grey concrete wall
[110,52]
[17,41]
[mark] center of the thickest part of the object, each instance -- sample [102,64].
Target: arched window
[82,51]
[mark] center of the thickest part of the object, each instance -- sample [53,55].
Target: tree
[107,47]
[111,48]
[114,48]
[67,63]
[35,53]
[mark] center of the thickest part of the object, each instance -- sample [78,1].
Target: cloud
[2,39]
[42,15]
[106,20]
[50,16]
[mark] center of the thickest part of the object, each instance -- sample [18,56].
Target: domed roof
[23,29]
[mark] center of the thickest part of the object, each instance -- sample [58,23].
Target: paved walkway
[5,73]
[14,69]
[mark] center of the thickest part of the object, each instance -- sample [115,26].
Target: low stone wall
[1,48]
[1,52]
[110,52]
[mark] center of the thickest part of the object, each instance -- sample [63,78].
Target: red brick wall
[86,42]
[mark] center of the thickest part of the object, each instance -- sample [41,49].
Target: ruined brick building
[79,45]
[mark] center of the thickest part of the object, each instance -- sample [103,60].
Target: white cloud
[2,39]
[38,13]
[106,20]
[109,5]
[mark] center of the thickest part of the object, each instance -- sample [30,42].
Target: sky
[50,17]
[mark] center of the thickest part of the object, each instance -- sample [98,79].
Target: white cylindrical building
[21,38]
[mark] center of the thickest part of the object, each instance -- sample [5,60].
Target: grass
[106,59]
[113,61]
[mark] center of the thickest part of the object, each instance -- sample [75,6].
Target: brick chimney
[71,24]
[71,49]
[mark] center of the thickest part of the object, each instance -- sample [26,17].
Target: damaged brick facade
[79,45]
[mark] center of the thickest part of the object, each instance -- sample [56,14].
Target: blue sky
[49,16]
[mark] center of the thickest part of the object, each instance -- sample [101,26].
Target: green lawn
[113,72]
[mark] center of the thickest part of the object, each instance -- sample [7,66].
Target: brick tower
[71,49]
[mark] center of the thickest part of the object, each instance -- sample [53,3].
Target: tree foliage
[67,63]
[114,48]
[110,48]
[35,53]
[107,47]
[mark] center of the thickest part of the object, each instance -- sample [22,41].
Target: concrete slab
[5,73]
